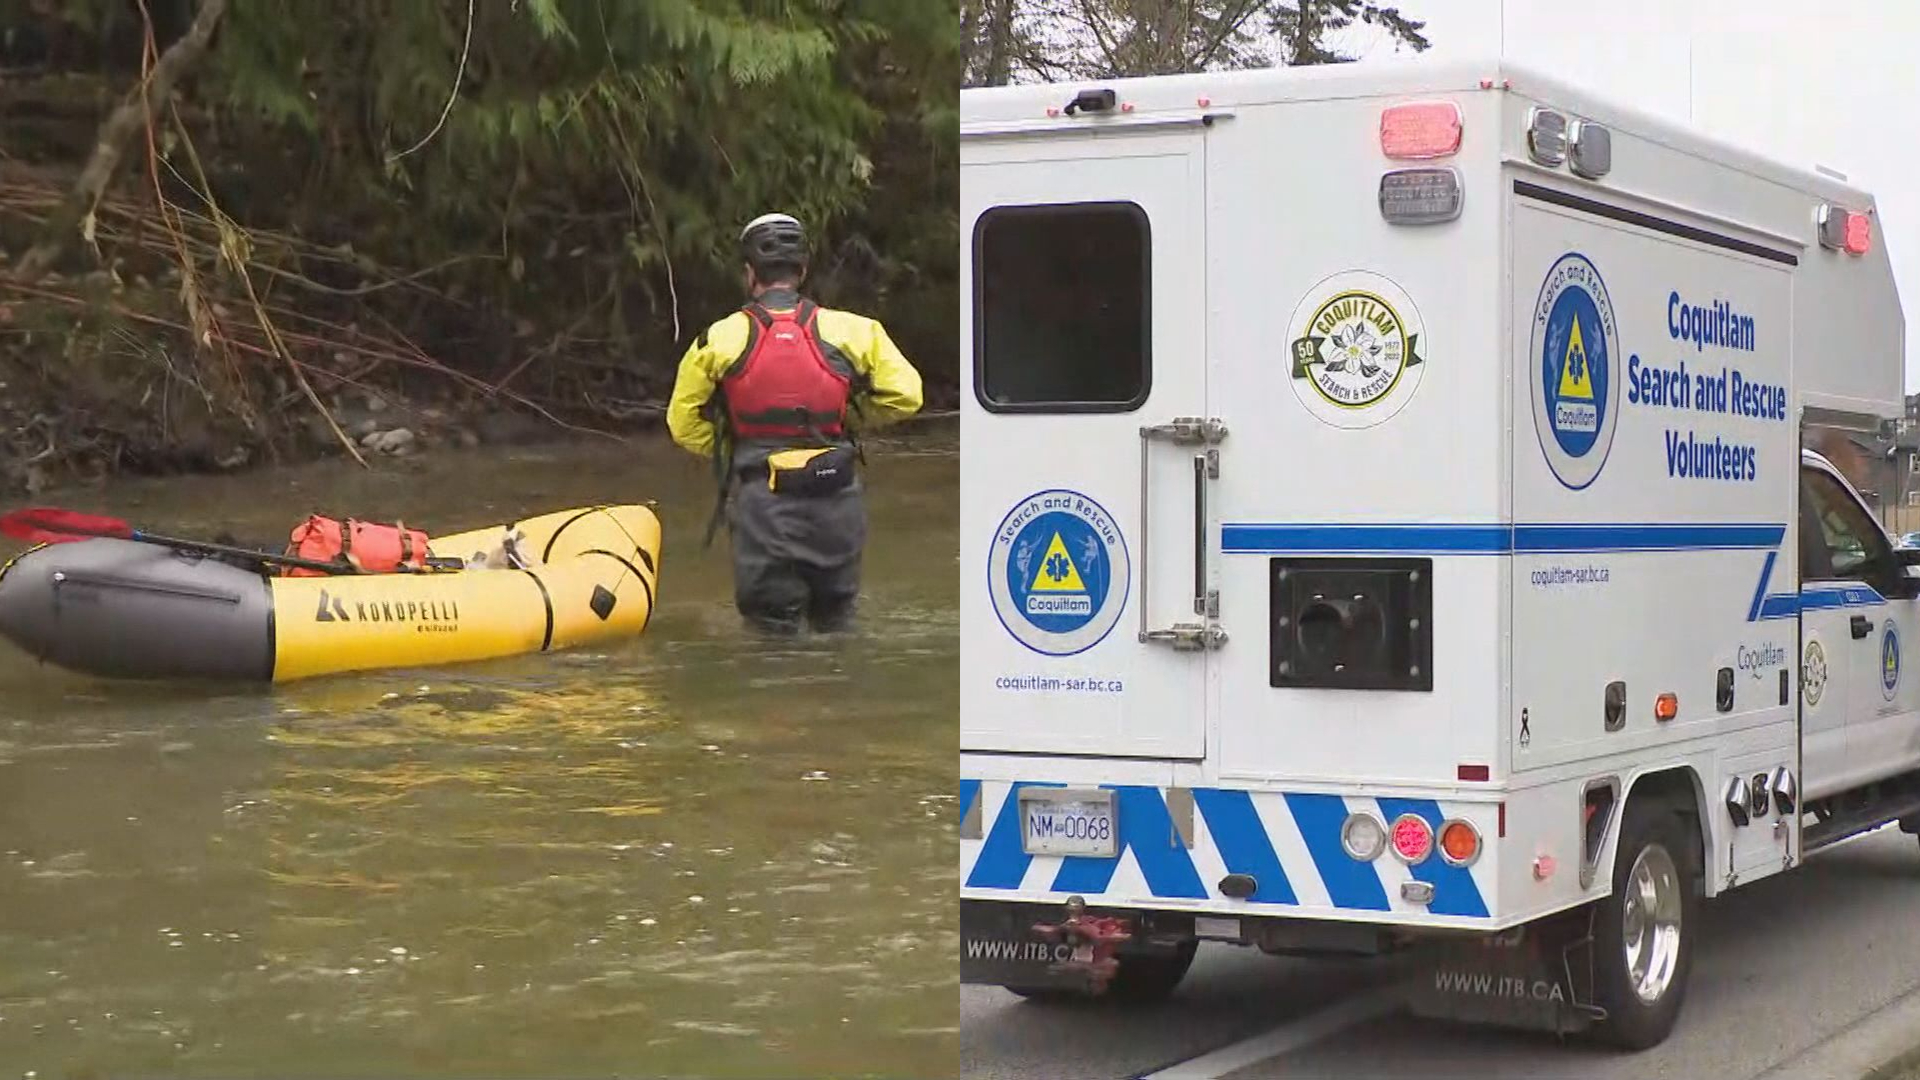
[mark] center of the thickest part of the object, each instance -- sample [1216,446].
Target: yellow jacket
[888,387]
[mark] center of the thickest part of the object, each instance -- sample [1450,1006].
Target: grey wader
[796,558]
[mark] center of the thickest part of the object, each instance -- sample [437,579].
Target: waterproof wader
[796,558]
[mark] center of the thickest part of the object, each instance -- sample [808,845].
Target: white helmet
[774,238]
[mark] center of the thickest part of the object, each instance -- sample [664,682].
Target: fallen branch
[481,384]
[131,115]
[36,202]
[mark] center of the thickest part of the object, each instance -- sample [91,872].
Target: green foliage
[598,156]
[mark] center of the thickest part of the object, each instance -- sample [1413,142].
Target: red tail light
[1859,234]
[1412,838]
[1424,129]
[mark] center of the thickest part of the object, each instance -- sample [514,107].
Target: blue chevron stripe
[1234,829]
[1454,892]
[1244,844]
[1003,858]
[1349,884]
[1147,830]
[1760,591]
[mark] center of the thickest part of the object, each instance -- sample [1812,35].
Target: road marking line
[1301,1033]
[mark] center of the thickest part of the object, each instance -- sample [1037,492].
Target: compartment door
[1084,324]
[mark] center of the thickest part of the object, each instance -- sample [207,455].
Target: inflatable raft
[124,609]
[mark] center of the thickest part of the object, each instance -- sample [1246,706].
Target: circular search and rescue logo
[1813,673]
[1890,662]
[1354,349]
[1576,402]
[1058,572]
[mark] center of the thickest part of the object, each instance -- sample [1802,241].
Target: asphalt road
[1783,965]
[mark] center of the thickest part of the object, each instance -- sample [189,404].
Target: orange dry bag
[363,545]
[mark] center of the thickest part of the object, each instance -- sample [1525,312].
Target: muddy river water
[692,854]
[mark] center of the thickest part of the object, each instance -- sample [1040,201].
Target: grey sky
[1829,84]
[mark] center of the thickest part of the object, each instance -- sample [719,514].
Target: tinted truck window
[1062,308]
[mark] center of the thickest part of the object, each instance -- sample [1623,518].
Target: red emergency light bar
[1420,130]
[1859,233]
[1845,230]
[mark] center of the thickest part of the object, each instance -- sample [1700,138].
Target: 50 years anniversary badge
[1354,346]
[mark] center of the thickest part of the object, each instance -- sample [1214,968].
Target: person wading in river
[772,393]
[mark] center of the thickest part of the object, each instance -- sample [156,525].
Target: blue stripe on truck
[1474,539]
[1242,834]
[1003,858]
[1243,843]
[1350,883]
[1817,598]
[1147,830]
[1600,538]
[1437,539]
[1760,591]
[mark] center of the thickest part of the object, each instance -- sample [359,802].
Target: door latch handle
[1862,626]
[1187,637]
[1206,433]
[1200,530]
[1187,431]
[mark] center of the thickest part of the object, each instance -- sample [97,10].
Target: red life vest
[373,548]
[783,388]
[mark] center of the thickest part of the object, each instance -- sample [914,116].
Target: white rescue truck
[1385,522]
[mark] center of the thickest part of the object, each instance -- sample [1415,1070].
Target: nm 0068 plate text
[1069,822]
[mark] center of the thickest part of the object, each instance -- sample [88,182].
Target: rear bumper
[1176,845]
[1003,945]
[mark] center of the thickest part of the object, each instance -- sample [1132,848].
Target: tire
[1143,979]
[1654,911]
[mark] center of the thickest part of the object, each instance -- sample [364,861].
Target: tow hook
[1094,940]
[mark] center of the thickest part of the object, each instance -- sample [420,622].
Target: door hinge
[1213,463]
[1187,637]
[1210,607]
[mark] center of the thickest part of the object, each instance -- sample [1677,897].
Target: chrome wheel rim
[1650,923]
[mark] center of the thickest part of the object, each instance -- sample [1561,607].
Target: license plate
[1068,822]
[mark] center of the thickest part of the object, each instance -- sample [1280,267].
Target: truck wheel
[1643,939]
[1143,979]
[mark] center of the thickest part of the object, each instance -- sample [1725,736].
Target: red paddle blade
[51,525]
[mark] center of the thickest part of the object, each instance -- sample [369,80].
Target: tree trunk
[126,119]
[969,41]
[999,42]
[1306,34]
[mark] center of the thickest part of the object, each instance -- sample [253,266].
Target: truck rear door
[1084,323]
